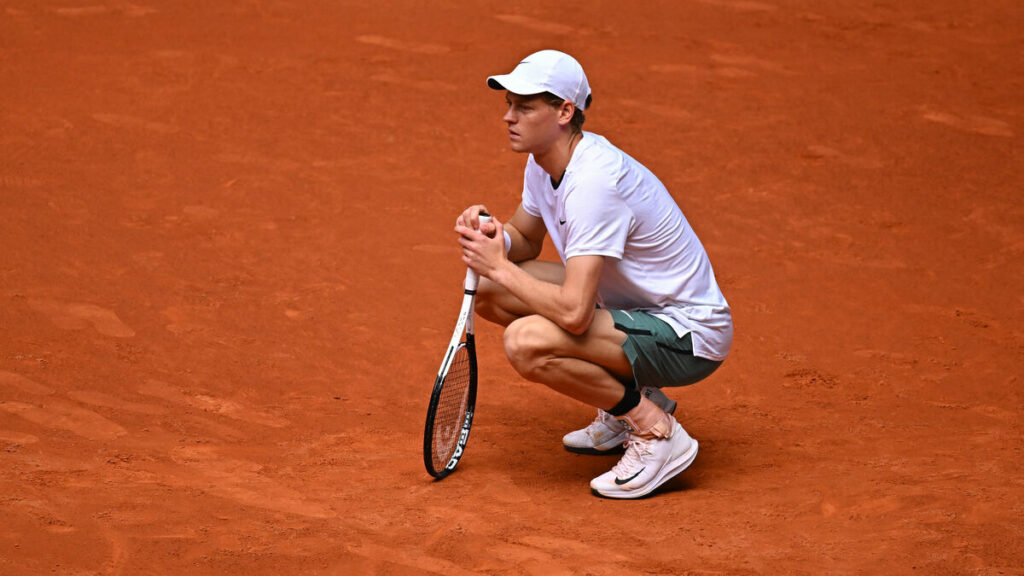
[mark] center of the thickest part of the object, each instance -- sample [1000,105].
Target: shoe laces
[603,419]
[636,449]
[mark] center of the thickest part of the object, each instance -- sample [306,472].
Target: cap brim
[514,85]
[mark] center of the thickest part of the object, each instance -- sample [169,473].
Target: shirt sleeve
[597,219]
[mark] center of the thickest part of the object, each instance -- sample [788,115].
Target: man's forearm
[568,306]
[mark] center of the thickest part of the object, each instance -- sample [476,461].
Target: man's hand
[482,252]
[470,218]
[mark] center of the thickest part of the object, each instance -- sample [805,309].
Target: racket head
[450,414]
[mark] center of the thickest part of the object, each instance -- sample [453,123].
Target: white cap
[546,71]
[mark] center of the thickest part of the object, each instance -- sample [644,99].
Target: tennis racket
[453,400]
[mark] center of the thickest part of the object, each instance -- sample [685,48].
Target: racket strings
[451,409]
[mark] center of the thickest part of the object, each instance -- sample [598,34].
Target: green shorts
[659,357]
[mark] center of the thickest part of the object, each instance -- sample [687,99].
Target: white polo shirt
[608,204]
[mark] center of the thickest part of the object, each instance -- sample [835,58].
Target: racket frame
[464,324]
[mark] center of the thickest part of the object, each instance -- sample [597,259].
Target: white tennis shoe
[647,464]
[606,435]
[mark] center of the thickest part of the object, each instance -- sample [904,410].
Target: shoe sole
[667,472]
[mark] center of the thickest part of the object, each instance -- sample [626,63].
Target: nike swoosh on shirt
[560,221]
[621,481]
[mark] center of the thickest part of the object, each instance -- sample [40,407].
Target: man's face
[533,124]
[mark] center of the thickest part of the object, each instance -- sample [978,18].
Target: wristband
[508,242]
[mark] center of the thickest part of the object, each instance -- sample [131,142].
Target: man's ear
[566,112]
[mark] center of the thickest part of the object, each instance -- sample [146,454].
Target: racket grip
[472,279]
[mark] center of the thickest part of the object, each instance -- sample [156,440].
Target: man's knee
[528,343]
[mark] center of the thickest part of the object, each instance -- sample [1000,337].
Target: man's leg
[495,304]
[590,367]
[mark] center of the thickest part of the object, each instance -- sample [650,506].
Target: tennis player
[632,307]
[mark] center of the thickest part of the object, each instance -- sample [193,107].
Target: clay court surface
[228,275]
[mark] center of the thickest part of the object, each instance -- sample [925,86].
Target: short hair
[578,118]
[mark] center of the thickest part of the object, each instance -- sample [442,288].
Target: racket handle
[472,279]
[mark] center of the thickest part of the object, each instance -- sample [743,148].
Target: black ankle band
[629,401]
